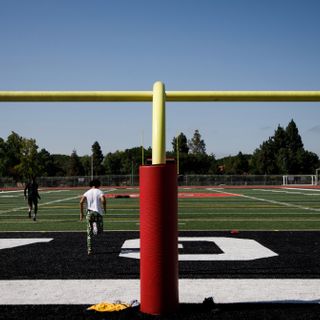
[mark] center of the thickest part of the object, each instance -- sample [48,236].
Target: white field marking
[244,213]
[304,189]
[233,249]
[221,190]
[291,192]
[50,191]
[17,242]
[25,208]
[18,222]
[67,190]
[109,220]
[41,292]
[109,190]
[123,221]
[59,214]
[278,191]
[30,221]
[251,219]
[53,191]
[58,201]
[7,194]
[281,203]
[11,191]
[39,205]
[122,209]
[209,214]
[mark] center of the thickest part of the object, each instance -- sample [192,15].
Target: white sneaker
[95,228]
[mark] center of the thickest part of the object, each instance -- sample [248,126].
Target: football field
[206,208]
[255,251]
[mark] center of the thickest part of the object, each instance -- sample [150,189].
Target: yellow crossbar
[75,96]
[238,96]
[159,97]
[141,96]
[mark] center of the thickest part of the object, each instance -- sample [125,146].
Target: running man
[32,195]
[96,207]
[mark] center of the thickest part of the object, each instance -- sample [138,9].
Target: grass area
[243,209]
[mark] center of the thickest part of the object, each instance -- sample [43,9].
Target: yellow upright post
[158,124]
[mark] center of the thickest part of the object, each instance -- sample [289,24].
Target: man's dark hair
[95,183]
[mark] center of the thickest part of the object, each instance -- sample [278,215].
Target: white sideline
[37,292]
[281,203]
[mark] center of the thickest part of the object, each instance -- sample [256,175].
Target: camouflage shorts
[93,216]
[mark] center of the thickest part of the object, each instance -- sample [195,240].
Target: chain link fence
[230,180]
[133,180]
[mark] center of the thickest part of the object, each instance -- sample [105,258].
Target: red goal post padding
[159,239]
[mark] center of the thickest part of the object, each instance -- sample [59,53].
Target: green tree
[284,154]
[134,159]
[3,158]
[13,148]
[295,149]
[28,166]
[61,164]
[309,162]
[197,164]
[113,163]
[75,167]
[46,163]
[196,144]
[279,139]
[182,143]
[240,164]
[97,159]
[282,157]
[125,162]
[86,164]
[293,138]
[263,160]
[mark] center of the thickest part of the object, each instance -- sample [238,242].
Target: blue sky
[189,45]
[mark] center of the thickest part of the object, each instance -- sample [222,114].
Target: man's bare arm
[82,201]
[104,203]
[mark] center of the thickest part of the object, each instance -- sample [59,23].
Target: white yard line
[11,191]
[293,191]
[25,208]
[52,191]
[8,194]
[304,189]
[281,203]
[40,292]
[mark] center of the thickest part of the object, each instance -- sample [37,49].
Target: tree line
[282,153]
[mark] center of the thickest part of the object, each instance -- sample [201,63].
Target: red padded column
[158,239]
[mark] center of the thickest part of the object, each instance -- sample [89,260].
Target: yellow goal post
[158,96]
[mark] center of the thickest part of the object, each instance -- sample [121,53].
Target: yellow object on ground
[109,307]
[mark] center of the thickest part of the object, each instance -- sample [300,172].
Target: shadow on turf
[209,310]
[205,311]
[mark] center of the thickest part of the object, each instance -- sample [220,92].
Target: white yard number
[233,249]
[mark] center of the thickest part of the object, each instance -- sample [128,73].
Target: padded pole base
[159,239]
